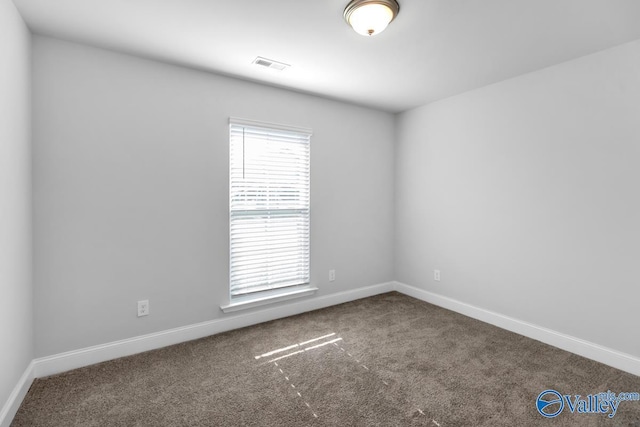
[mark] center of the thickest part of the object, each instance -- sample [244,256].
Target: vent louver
[270,63]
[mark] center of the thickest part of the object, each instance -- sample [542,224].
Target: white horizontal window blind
[269,208]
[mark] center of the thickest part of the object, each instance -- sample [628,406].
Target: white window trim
[275,295]
[268,299]
[248,122]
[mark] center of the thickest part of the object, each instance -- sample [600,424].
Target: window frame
[258,298]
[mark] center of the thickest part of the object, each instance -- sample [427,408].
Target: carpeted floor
[388,360]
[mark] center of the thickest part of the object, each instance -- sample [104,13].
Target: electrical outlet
[143,308]
[436,275]
[332,275]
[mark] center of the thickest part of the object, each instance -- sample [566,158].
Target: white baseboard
[57,363]
[17,395]
[608,356]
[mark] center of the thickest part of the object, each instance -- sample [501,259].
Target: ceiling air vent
[270,63]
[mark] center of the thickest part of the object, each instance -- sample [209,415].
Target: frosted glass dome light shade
[370,17]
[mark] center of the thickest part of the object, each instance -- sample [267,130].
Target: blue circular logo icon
[549,403]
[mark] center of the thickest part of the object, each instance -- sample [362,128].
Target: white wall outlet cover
[436,275]
[143,308]
[332,275]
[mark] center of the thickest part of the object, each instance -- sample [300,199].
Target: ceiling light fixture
[370,17]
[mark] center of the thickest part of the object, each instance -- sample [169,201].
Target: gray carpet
[388,360]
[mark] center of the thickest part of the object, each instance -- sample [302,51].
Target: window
[269,210]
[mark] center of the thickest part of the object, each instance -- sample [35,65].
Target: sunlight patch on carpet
[312,368]
[300,344]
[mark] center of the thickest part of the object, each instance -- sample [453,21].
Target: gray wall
[131,191]
[525,195]
[16,325]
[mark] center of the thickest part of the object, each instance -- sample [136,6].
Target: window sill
[244,305]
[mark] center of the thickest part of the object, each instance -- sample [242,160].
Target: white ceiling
[434,49]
